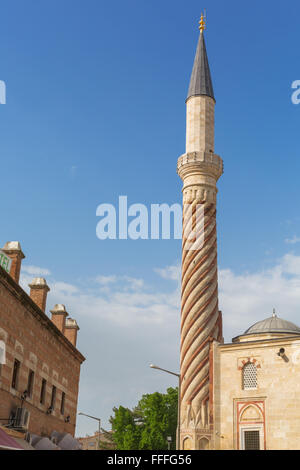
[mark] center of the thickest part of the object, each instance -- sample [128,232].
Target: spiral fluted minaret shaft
[199,168]
[200,321]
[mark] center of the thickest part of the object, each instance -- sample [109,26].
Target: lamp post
[99,426]
[179,391]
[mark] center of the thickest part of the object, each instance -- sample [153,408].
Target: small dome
[273,325]
[59,308]
[39,282]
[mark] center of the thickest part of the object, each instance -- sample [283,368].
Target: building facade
[97,440]
[257,388]
[40,370]
[244,395]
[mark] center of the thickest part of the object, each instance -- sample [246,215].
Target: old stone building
[39,374]
[98,441]
[256,393]
[245,394]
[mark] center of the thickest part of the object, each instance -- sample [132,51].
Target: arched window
[249,376]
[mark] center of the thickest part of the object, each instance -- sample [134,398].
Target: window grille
[251,439]
[249,376]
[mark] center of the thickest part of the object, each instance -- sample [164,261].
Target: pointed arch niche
[203,443]
[187,443]
[251,425]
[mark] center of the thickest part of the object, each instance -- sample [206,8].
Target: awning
[66,441]
[43,443]
[7,442]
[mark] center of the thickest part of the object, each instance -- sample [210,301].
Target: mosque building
[244,395]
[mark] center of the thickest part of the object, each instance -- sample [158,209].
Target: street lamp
[153,366]
[99,425]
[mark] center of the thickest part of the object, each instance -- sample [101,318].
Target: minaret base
[197,439]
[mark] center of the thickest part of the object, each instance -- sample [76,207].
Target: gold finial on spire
[202,23]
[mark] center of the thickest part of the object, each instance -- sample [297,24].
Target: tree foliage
[126,432]
[148,424]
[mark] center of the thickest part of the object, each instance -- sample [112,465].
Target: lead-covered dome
[273,324]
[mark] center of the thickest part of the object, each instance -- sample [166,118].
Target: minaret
[201,322]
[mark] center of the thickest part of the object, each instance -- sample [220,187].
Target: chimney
[71,330]
[15,253]
[39,291]
[59,315]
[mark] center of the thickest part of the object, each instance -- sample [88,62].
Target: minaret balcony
[205,163]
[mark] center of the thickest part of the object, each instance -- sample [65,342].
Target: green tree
[125,429]
[160,419]
[148,425]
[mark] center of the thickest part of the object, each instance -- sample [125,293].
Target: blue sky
[96,109]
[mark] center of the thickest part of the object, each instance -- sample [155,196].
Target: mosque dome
[273,324]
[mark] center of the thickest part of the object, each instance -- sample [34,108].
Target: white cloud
[104,280]
[133,283]
[249,297]
[127,301]
[127,282]
[172,273]
[125,323]
[291,264]
[292,240]
[35,270]
[64,289]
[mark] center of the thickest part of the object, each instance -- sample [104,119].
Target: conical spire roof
[201,83]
